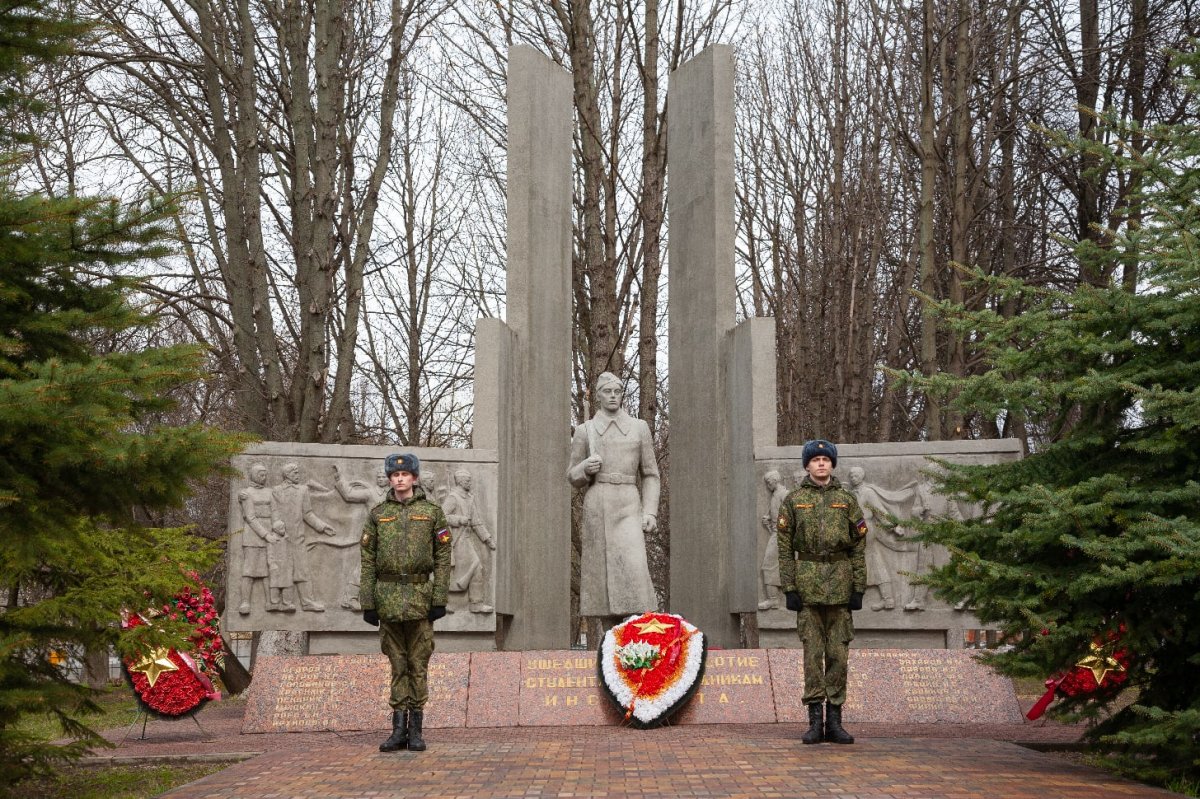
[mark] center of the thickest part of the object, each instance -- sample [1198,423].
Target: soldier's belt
[827,557]
[413,579]
[616,479]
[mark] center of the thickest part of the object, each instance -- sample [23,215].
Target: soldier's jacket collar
[418,494]
[621,420]
[808,482]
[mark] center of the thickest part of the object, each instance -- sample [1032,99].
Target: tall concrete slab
[750,381]
[535,426]
[701,316]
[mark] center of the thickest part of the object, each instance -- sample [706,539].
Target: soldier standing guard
[403,588]
[823,574]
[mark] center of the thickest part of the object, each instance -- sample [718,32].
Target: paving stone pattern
[664,763]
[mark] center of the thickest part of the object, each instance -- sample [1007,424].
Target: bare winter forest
[339,168]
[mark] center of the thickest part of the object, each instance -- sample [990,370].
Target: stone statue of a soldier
[466,522]
[609,453]
[769,570]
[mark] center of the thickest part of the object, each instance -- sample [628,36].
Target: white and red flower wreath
[651,665]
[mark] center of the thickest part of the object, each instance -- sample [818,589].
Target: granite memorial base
[559,688]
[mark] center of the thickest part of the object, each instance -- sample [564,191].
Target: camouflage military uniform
[822,558]
[403,545]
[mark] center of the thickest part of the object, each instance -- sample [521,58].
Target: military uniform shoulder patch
[443,536]
[861,527]
[366,539]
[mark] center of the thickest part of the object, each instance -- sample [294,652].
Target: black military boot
[415,742]
[399,737]
[834,732]
[815,733]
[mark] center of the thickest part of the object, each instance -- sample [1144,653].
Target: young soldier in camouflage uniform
[403,588]
[823,573]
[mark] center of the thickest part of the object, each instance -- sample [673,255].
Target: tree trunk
[928,253]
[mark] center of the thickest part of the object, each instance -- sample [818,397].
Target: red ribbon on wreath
[1104,668]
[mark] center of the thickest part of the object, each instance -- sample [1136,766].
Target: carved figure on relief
[468,570]
[887,548]
[293,508]
[929,506]
[432,486]
[609,452]
[364,497]
[256,502]
[776,492]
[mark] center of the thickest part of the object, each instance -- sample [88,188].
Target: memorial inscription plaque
[735,689]
[346,692]
[904,686]
[562,688]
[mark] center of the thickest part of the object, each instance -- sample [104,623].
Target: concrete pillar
[750,381]
[534,424]
[701,316]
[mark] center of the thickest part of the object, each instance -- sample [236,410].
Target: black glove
[371,617]
[436,612]
[856,600]
[793,601]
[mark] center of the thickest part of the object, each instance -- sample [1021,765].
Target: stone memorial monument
[297,510]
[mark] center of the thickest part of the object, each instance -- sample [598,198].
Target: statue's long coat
[614,574]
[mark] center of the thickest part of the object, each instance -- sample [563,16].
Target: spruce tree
[1095,536]
[80,443]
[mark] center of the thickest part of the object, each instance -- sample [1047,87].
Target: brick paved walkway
[726,760]
[664,764]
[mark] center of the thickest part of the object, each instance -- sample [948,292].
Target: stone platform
[559,688]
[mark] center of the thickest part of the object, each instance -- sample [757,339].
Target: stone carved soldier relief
[295,549]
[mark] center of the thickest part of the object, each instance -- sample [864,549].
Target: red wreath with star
[651,665]
[1104,670]
[169,682]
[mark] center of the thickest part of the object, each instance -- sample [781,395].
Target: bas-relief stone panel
[317,511]
[887,478]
